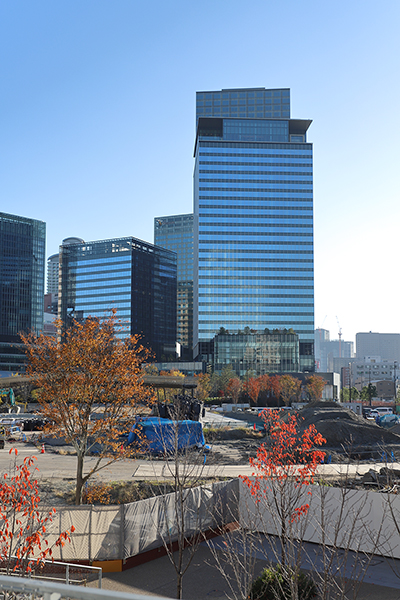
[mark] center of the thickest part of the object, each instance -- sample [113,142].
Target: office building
[52,275]
[259,353]
[176,233]
[22,265]
[253,218]
[384,345]
[136,278]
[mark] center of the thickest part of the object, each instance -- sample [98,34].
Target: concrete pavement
[203,580]
[55,465]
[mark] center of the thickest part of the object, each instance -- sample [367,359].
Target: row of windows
[303,326]
[245,93]
[259,219]
[222,263]
[93,305]
[227,236]
[269,173]
[83,298]
[243,101]
[276,104]
[242,111]
[238,298]
[281,150]
[258,179]
[265,308]
[305,163]
[256,203]
[257,190]
[286,208]
[239,280]
[208,245]
[229,253]
[260,313]
[104,260]
[95,278]
[241,272]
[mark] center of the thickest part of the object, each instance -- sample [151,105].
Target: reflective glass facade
[22,266]
[176,233]
[251,102]
[136,278]
[260,353]
[253,207]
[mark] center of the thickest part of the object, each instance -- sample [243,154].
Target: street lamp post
[349,382]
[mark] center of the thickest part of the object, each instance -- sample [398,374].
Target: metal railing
[70,573]
[22,588]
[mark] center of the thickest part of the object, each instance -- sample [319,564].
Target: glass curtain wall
[253,205]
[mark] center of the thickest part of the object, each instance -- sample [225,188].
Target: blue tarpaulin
[158,435]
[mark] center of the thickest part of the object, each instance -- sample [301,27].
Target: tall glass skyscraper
[253,208]
[176,233]
[22,264]
[136,278]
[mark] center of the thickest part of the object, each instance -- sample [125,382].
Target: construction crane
[340,338]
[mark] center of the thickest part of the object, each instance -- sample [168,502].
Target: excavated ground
[348,438]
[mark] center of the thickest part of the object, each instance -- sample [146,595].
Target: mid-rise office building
[136,278]
[259,353]
[22,265]
[384,345]
[176,233]
[253,210]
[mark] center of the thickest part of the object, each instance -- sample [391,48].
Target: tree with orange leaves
[90,384]
[275,385]
[290,386]
[252,387]
[234,388]
[283,471]
[23,540]
[315,386]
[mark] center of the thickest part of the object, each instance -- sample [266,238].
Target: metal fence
[60,572]
[22,588]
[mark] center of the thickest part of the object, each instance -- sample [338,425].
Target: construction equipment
[7,401]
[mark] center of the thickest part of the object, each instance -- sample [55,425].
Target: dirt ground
[348,438]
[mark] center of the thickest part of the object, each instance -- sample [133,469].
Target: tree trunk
[179,586]
[79,480]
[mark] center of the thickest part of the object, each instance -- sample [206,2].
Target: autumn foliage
[283,467]
[315,387]
[252,387]
[90,385]
[23,525]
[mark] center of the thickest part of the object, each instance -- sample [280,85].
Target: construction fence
[351,519]
[107,533]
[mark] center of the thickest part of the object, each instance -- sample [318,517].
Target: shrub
[275,584]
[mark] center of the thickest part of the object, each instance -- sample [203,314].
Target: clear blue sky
[97,122]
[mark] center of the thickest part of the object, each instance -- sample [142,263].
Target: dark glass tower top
[256,103]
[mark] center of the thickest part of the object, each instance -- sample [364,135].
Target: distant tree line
[265,390]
